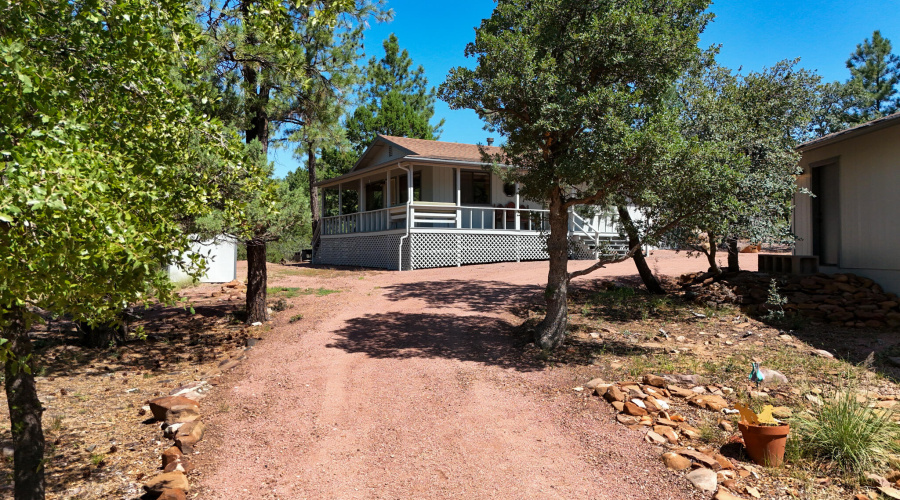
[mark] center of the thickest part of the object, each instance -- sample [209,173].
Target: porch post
[518,214]
[458,200]
[411,217]
[340,200]
[409,186]
[362,196]
[387,189]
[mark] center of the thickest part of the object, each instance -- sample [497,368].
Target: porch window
[475,187]
[375,195]
[399,191]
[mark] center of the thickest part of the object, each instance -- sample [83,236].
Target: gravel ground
[414,385]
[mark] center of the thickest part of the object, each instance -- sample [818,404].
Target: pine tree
[266,57]
[396,100]
[877,70]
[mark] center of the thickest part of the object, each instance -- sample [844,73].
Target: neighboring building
[221,260]
[853,222]
[432,204]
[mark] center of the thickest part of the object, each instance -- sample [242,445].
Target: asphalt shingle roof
[423,148]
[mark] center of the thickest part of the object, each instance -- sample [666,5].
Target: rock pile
[179,418]
[648,406]
[840,299]
[232,290]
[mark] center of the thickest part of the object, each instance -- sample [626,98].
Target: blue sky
[753,34]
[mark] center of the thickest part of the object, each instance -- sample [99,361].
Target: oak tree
[100,143]
[573,85]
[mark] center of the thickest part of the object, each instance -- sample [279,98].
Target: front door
[826,214]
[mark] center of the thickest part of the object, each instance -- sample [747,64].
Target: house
[852,224]
[413,203]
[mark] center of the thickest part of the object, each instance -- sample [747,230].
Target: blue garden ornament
[756,375]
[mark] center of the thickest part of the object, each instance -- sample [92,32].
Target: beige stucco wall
[869,180]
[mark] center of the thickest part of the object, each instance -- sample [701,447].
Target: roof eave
[404,159]
[850,133]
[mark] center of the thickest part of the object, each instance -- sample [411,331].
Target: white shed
[221,260]
[853,222]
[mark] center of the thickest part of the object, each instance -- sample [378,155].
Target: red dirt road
[411,385]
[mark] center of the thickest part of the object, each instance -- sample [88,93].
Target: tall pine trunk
[552,330]
[313,191]
[734,261]
[256,282]
[634,240]
[24,411]
[258,130]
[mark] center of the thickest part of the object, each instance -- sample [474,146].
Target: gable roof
[865,128]
[440,150]
[406,149]
[420,149]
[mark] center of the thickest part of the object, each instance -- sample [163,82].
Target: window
[475,188]
[375,195]
[401,193]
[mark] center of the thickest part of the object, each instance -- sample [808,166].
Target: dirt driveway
[412,385]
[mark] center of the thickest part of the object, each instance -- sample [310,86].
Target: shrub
[856,438]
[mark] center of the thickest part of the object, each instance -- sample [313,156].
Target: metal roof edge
[865,128]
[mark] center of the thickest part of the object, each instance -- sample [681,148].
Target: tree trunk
[714,268]
[634,239]
[256,282]
[24,411]
[552,330]
[258,96]
[734,262]
[313,191]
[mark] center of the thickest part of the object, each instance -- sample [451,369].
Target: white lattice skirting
[434,249]
[377,250]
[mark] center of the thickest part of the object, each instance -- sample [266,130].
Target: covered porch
[425,197]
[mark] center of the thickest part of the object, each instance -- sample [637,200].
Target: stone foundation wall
[841,299]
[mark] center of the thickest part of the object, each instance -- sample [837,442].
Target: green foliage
[576,87]
[775,303]
[835,108]
[747,126]
[100,143]
[396,100]
[876,70]
[856,438]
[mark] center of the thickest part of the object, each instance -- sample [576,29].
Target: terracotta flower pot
[765,443]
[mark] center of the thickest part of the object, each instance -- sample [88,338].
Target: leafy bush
[856,438]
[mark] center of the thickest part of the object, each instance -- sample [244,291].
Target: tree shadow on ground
[479,339]
[172,334]
[474,338]
[474,296]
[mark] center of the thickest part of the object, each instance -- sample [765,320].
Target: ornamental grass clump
[857,439]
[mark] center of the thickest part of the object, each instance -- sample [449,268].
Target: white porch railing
[485,218]
[604,223]
[383,219]
[447,216]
